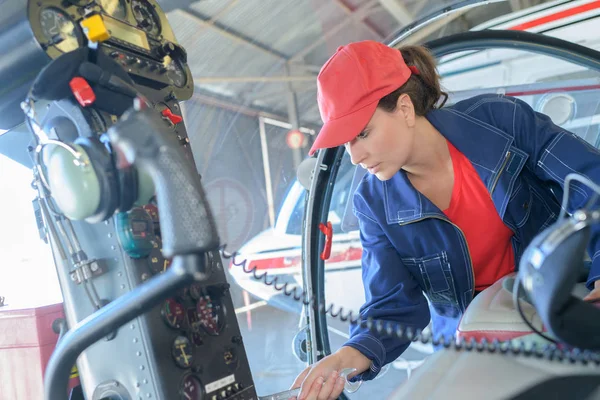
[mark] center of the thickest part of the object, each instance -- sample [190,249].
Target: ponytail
[423,87]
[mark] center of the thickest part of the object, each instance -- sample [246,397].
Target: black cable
[550,351]
[517,302]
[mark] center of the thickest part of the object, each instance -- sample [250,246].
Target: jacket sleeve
[553,154]
[391,294]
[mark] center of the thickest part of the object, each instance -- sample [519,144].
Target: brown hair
[423,89]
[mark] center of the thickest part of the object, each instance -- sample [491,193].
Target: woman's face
[385,144]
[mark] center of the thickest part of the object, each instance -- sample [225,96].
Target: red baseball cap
[350,85]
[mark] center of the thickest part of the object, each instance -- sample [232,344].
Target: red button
[175,119]
[82,91]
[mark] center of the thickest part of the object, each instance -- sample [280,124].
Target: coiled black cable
[550,351]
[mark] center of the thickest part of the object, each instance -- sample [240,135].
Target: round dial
[146,16]
[114,8]
[59,29]
[153,211]
[135,230]
[182,352]
[211,313]
[173,313]
[157,262]
[191,388]
[176,73]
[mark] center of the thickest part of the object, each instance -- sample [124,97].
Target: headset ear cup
[145,187]
[74,184]
[102,163]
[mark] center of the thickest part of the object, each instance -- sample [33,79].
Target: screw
[236,339]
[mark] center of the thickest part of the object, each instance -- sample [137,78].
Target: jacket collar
[483,144]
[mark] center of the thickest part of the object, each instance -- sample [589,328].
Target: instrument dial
[173,313]
[191,388]
[59,29]
[182,352]
[114,8]
[176,73]
[146,16]
[211,312]
[158,263]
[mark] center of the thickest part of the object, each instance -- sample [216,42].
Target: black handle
[113,315]
[186,221]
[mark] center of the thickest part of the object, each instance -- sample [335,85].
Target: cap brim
[342,130]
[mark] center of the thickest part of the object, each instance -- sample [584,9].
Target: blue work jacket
[410,247]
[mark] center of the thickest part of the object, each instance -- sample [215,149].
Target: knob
[165,49]
[130,60]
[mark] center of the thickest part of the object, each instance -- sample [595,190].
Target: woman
[453,197]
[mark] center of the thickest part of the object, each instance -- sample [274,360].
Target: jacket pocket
[435,273]
[520,205]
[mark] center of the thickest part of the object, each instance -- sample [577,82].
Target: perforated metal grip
[187,223]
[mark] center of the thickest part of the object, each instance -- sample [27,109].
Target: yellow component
[95,29]
[74,372]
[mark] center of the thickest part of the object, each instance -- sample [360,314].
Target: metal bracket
[87,270]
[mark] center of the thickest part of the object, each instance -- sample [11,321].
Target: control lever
[188,232]
[186,222]
[349,387]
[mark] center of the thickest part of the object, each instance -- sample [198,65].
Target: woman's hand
[322,380]
[595,293]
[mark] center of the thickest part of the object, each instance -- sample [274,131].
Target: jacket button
[526,205]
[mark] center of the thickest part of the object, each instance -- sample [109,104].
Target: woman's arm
[391,293]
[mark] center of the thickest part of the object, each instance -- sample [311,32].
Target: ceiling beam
[170,5]
[361,12]
[203,97]
[352,13]
[418,36]
[398,11]
[232,34]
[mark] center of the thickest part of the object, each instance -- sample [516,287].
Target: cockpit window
[27,273]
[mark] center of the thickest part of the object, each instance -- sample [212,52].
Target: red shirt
[472,210]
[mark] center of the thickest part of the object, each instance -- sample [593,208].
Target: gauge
[191,388]
[193,319]
[176,73]
[146,16]
[114,8]
[153,211]
[173,313]
[182,352]
[59,29]
[158,263]
[135,230]
[211,313]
